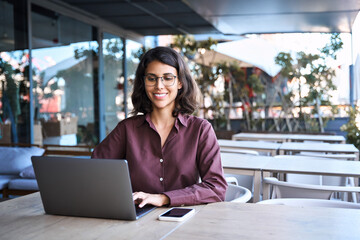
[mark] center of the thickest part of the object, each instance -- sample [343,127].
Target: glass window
[113,80]
[14,83]
[133,50]
[64,72]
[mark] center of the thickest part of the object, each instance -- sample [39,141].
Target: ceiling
[229,17]
[148,17]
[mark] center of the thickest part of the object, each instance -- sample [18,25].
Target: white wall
[356,57]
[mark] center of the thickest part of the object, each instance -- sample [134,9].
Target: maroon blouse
[190,152]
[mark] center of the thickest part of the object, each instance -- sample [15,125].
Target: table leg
[257,185]
[265,187]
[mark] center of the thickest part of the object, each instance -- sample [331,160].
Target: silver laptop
[84,187]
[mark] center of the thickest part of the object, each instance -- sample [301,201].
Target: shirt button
[161,160]
[161,179]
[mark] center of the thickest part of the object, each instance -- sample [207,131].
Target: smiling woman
[162,173]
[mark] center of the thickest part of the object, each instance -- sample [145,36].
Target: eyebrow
[156,75]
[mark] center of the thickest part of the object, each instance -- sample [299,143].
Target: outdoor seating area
[294,166]
[179,119]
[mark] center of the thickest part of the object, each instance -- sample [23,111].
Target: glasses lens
[150,80]
[167,79]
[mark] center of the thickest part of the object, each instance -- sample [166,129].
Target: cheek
[147,92]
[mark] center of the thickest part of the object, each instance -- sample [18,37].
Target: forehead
[159,68]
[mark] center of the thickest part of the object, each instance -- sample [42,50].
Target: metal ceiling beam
[157,17]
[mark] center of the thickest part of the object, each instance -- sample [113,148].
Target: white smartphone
[177,214]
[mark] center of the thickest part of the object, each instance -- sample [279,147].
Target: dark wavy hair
[186,100]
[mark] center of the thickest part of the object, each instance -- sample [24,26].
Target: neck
[162,118]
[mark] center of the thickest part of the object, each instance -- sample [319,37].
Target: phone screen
[176,212]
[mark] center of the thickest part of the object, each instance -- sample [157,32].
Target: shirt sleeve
[113,146]
[213,185]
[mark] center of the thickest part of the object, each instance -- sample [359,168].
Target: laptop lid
[84,187]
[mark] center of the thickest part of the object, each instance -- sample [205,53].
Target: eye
[168,77]
[150,78]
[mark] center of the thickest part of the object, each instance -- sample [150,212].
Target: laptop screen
[85,187]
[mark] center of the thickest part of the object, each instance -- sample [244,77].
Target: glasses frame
[162,80]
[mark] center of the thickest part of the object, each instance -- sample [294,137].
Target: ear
[180,85]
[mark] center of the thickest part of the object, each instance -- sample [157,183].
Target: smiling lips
[160,95]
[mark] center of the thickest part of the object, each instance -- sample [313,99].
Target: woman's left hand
[157,200]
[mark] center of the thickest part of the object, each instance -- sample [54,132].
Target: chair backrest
[241,180]
[237,194]
[231,180]
[283,189]
[302,202]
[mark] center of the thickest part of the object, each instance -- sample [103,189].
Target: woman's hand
[157,200]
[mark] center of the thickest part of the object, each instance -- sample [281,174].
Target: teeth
[160,95]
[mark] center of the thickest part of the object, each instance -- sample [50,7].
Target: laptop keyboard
[143,210]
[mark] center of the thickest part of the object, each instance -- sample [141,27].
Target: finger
[137,195]
[143,202]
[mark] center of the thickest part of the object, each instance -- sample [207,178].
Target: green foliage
[352,127]
[240,84]
[189,47]
[12,89]
[311,69]
[335,45]
[138,54]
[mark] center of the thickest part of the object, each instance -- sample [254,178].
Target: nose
[159,82]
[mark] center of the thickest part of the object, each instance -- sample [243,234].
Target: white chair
[237,194]
[231,180]
[281,189]
[318,179]
[303,202]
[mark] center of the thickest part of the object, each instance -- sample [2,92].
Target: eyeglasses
[167,79]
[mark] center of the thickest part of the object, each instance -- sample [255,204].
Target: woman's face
[161,92]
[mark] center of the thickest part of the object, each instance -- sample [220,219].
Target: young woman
[167,149]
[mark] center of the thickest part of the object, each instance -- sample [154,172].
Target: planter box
[59,128]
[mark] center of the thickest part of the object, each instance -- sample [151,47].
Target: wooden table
[320,138]
[273,137]
[279,137]
[24,218]
[268,147]
[243,164]
[310,166]
[295,147]
[260,221]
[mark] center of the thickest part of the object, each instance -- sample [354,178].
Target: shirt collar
[143,119]
[181,118]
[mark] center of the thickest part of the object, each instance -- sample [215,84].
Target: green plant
[352,127]
[310,70]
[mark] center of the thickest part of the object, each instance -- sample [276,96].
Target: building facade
[65,75]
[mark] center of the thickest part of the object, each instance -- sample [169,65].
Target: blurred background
[67,67]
